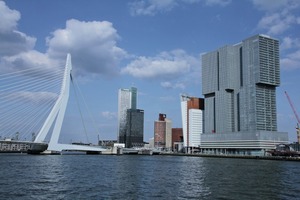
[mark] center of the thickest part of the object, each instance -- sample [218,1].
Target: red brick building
[177,137]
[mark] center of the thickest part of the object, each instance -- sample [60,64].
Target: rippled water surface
[145,177]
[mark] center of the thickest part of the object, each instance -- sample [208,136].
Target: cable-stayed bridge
[33,104]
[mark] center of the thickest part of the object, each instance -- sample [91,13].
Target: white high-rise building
[195,127]
[192,120]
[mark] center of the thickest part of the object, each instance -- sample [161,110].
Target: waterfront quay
[212,155]
[15,146]
[283,158]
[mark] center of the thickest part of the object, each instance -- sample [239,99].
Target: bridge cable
[80,112]
[87,108]
[26,98]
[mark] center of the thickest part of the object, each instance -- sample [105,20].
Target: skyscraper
[192,109]
[127,99]
[134,136]
[239,85]
[163,132]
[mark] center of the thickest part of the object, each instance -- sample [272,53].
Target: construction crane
[296,115]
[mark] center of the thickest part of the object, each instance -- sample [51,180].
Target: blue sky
[154,45]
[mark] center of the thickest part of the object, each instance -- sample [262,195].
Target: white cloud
[16,49]
[109,115]
[175,69]
[217,2]
[169,85]
[279,17]
[94,50]
[277,23]
[291,61]
[12,41]
[92,45]
[166,84]
[152,7]
[270,5]
[168,98]
[15,42]
[34,97]
[166,65]
[288,43]
[29,59]
[9,18]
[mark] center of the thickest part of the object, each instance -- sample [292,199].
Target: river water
[145,177]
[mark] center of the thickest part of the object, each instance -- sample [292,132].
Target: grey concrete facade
[239,85]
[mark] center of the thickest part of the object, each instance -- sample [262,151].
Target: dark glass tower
[134,136]
[130,119]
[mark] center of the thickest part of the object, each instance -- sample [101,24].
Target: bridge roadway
[75,147]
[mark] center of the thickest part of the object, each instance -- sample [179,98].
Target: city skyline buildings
[177,139]
[158,57]
[239,86]
[163,132]
[134,136]
[127,99]
[192,111]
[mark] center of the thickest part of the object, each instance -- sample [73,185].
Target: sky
[153,45]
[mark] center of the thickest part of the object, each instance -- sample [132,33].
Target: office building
[239,85]
[177,139]
[163,132]
[134,136]
[192,109]
[127,110]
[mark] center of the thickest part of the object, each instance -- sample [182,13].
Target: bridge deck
[74,147]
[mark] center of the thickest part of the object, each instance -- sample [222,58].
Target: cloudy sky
[154,45]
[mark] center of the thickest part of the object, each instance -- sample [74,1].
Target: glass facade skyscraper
[239,85]
[130,119]
[134,136]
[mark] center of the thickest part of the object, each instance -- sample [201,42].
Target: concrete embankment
[236,156]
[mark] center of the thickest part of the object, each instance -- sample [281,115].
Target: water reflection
[191,176]
[242,179]
[163,177]
[145,177]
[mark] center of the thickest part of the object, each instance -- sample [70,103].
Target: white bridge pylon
[57,116]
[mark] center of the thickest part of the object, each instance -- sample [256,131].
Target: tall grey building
[127,99]
[130,119]
[239,85]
